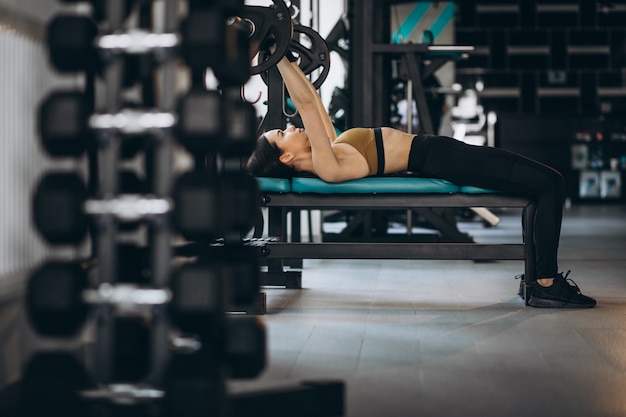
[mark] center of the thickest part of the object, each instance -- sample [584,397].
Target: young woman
[362,152]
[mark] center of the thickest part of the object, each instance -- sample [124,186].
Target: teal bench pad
[475,190]
[374,185]
[369,185]
[274,185]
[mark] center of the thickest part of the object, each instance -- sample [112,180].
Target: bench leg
[276,275]
[257,307]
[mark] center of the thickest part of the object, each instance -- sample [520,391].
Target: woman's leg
[504,171]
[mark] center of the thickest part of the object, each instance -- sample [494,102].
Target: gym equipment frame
[280,253]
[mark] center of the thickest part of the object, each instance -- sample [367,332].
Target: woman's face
[291,140]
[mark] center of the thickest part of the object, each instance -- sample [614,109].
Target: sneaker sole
[545,303]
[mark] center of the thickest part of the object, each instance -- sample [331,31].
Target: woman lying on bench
[362,152]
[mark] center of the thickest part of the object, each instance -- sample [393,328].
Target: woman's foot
[563,293]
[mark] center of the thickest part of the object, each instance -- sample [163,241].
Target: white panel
[24,80]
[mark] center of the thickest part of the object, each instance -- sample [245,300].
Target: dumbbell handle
[123,394]
[126,298]
[128,207]
[186,344]
[137,41]
[132,121]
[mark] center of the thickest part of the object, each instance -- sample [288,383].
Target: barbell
[311,51]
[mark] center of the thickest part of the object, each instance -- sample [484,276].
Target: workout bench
[281,196]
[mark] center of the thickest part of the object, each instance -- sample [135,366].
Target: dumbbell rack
[163,343]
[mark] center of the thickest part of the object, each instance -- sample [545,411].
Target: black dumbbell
[58,298]
[203,33]
[61,209]
[201,120]
[74,44]
[239,266]
[196,206]
[63,119]
[198,298]
[207,206]
[240,344]
[223,276]
[58,208]
[62,122]
[194,385]
[209,121]
[239,197]
[240,128]
[206,122]
[245,347]
[54,298]
[235,67]
[51,384]
[70,41]
[67,125]
[55,384]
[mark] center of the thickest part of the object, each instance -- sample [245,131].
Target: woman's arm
[316,120]
[299,84]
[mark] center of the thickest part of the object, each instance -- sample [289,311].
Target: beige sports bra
[369,143]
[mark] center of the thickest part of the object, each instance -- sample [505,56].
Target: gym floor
[435,338]
[452,338]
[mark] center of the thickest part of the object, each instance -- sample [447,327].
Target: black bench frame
[279,252]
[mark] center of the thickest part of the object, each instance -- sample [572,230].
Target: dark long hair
[265,162]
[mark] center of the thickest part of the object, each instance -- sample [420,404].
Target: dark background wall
[554,71]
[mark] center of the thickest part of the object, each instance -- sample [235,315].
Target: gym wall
[25,77]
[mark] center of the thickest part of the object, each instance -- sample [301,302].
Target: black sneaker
[561,294]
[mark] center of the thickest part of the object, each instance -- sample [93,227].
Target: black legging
[504,171]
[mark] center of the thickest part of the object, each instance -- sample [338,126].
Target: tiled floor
[451,338]
[442,338]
